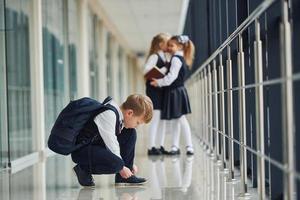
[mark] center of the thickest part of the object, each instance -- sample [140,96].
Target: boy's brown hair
[141,105]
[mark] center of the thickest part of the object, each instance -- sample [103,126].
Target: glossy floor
[197,177]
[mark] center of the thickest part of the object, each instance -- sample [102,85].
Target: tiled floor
[182,177]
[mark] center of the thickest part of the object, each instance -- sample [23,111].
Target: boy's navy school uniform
[156,93]
[109,152]
[176,101]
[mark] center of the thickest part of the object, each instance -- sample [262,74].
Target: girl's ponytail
[189,51]
[188,48]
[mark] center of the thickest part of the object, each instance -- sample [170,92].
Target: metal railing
[208,93]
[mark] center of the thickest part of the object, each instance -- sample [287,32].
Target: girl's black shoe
[163,151]
[189,151]
[174,152]
[154,152]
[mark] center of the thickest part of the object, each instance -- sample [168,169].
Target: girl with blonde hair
[156,57]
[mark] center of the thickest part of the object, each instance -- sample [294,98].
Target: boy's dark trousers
[97,159]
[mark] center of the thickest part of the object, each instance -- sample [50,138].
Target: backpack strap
[107,99]
[110,107]
[117,128]
[118,124]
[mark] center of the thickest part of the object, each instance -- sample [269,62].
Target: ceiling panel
[139,20]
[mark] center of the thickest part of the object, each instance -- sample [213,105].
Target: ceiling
[139,20]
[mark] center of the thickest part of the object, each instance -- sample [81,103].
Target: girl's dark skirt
[155,94]
[175,103]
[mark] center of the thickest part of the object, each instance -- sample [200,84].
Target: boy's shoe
[154,152]
[85,179]
[131,181]
[189,153]
[163,151]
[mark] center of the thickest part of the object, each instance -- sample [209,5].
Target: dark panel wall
[209,23]
[197,27]
[296,61]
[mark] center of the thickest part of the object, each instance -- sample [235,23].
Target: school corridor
[243,88]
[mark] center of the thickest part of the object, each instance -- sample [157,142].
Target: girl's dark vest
[160,63]
[179,81]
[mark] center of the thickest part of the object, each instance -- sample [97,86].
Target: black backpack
[72,119]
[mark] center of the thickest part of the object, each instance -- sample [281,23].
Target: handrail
[254,15]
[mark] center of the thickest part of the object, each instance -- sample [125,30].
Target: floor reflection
[127,193]
[169,177]
[162,184]
[86,193]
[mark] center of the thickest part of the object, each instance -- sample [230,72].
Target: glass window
[18,77]
[93,56]
[121,73]
[72,46]
[109,66]
[3,131]
[53,56]
[130,75]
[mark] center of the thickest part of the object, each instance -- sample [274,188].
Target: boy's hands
[125,172]
[134,169]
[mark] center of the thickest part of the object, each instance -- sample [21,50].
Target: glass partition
[121,74]
[93,55]
[53,57]
[18,77]
[73,46]
[3,113]
[109,66]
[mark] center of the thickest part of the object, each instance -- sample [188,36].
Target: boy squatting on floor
[113,153]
